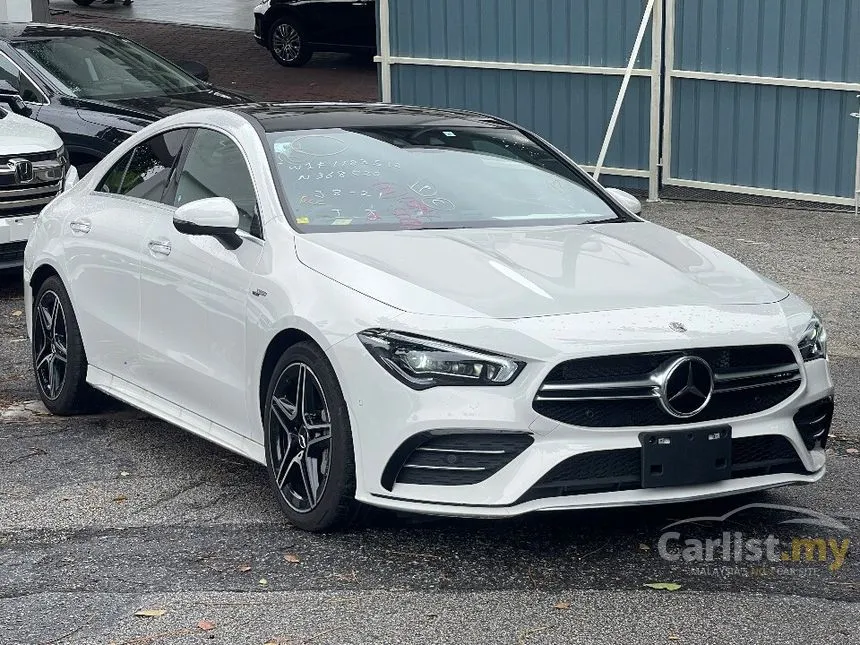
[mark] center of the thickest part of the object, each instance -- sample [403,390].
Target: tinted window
[145,171]
[10,73]
[215,167]
[103,66]
[430,177]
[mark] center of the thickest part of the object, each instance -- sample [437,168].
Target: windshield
[428,177]
[102,66]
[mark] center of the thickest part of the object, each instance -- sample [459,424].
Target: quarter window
[215,167]
[145,171]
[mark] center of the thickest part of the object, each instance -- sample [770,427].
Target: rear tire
[308,441]
[84,3]
[59,360]
[288,44]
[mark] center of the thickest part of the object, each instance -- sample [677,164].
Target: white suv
[34,168]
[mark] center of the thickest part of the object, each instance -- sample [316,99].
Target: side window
[215,167]
[10,73]
[145,171]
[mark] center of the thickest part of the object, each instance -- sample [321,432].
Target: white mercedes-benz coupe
[423,310]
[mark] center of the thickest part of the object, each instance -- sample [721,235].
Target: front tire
[288,44]
[308,442]
[59,360]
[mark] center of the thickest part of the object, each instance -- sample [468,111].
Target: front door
[195,289]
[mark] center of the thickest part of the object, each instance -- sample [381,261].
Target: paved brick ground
[235,61]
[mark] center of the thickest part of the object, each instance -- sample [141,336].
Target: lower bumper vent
[813,422]
[462,459]
[615,470]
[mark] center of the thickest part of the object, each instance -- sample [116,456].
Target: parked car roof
[279,117]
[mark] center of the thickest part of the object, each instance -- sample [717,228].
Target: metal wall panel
[782,138]
[808,39]
[563,32]
[570,110]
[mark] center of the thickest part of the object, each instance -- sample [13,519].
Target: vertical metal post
[857,177]
[656,89]
[613,121]
[385,49]
[668,88]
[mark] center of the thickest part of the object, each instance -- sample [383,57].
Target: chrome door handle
[80,226]
[159,248]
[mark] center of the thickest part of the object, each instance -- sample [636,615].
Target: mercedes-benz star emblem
[686,387]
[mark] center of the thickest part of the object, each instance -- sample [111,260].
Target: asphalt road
[104,516]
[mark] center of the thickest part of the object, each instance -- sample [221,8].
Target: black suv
[294,29]
[96,88]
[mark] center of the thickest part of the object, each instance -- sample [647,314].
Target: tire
[59,360]
[313,479]
[284,31]
[84,3]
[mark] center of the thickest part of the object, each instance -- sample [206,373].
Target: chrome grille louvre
[19,198]
[624,391]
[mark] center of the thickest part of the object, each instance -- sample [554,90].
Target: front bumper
[259,17]
[14,232]
[385,414]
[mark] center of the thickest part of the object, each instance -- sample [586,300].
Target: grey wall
[571,110]
[783,138]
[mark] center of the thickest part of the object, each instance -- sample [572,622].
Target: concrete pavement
[226,14]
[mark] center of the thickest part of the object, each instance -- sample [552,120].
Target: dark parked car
[96,88]
[294,29]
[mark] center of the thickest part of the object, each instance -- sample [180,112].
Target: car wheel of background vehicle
[59,361]
[287,43]
[308,442]
[84,3]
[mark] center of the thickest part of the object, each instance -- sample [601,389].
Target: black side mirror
[197,70]
[10,95]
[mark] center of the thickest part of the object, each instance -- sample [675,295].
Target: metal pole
[857,177]
[623,91]
[385,49]
[656,87]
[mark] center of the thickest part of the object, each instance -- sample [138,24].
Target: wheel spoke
[54,316]
[301,393]
[309,487]
[45,320]
[40,363]
[318,439]
[51,375]
[60,347]
[283,412]
[284,467]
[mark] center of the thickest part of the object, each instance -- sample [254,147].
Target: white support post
[385,49]
[857,177]
[613,121]
[16,11]
[656,113]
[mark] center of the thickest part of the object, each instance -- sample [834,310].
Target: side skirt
[174,414]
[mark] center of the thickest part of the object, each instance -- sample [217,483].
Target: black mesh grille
[456,459]
[614,470]
[613,411]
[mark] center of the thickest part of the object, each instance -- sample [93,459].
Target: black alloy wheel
[309,451]
[59,360]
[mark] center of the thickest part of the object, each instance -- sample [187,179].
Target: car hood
[143,110]
[527,272]
[19,135]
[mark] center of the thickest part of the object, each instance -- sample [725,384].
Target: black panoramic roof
[280,117]
[37,31]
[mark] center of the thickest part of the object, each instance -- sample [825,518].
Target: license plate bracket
[686,457]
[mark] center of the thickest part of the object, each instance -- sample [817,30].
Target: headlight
[63,156]
[813,343]
[422,363]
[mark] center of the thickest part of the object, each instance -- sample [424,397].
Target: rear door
[103,244]
[348,23]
